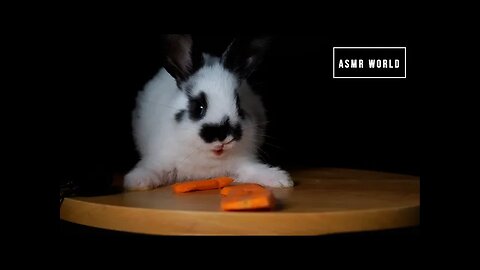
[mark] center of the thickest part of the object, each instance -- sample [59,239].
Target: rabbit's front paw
[266,176]
[141,179]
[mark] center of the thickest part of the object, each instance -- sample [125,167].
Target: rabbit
[198,118]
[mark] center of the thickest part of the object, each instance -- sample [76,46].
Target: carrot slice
[241,189]
[251,201]
[203,184]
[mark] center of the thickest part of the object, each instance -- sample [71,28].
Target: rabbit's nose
[219,132]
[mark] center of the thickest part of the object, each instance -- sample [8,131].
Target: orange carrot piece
[252,201]
[241,189]
[204,184]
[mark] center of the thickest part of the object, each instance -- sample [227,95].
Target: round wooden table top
[323,201]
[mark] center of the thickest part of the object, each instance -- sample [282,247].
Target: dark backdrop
[315,120]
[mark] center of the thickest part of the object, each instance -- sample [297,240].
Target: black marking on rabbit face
[179,115]
[197,106]
[212,132]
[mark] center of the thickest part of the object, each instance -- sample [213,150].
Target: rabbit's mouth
[220,149]
[218,152]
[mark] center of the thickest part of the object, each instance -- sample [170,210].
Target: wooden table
[324,201]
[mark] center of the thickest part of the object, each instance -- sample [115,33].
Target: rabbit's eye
[200,110]
[197,106]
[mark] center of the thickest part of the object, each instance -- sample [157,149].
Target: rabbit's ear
[244,54]
[182,58]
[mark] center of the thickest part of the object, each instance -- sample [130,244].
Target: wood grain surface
[323,201]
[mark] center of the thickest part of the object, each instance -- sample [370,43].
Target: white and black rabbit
[198,118]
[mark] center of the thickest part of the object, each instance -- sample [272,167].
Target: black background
[315,120]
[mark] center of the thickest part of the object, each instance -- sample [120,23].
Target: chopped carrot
[204,184]
[241,189]
[251,201]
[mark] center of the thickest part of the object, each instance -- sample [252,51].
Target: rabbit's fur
[198,118]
